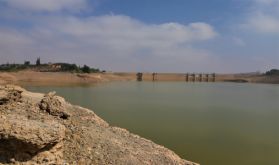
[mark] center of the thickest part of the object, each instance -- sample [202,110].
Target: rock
[21,139]
[36,133]
[4,97]
[54,105]
[10,94]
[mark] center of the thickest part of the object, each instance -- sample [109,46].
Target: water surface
[209,123]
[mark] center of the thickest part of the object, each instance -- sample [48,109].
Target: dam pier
[200,77]
[188,77]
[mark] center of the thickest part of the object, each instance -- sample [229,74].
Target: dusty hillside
[45,129]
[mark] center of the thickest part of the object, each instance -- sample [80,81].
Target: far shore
[67,78]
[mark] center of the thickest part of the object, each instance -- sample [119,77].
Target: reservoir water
[208,123]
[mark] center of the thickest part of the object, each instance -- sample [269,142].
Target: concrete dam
[188,77]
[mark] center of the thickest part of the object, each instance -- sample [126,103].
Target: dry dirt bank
[45,129]
[57,78]
[63,78]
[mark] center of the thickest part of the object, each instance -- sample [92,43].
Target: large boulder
[21,139]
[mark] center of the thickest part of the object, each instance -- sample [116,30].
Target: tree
[85,69]
[272,72]
[94,70]
[26,62]
[68,67]
[38,61]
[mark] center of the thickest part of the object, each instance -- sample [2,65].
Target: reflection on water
[209,123]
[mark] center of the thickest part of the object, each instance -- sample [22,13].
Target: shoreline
[38,128]
[67,79]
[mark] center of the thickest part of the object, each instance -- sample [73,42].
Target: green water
[209,123]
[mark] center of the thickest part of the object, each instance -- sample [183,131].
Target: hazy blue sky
[143,35]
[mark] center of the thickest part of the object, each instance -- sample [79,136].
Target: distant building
[56,66]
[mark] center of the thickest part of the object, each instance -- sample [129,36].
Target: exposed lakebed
[209,123]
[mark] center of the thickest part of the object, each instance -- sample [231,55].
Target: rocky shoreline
[45,129]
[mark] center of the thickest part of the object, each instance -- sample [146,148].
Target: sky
[222,36]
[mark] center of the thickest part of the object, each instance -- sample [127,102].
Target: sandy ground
[62,78]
